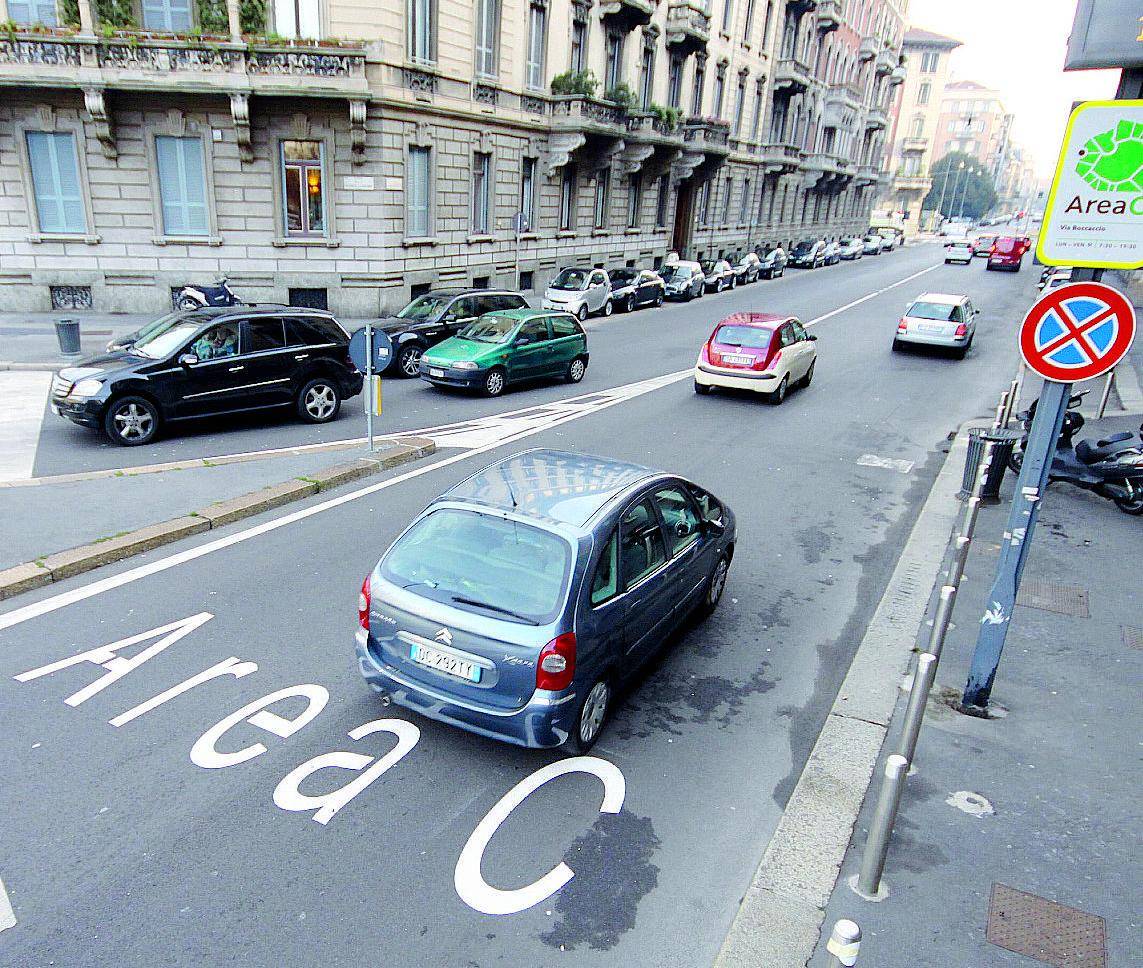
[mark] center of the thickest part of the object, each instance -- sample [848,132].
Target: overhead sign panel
[1106,33]
[1094,217]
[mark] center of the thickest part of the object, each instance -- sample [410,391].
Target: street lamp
[972,170]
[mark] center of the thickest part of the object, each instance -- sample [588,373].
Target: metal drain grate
[1053,597]
[1051,933]
[1132,638]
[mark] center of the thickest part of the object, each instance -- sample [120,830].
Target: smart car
[580,292]
[518,603]
[719,275]
[772,261]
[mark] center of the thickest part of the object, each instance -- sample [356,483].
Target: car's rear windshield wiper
[462,600]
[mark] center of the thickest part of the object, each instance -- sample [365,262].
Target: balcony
[711,136]
[800,7]
[688,26]
[876,119]
[866,175]
[843,97]
[912,183]
[644,127]
[887,61]
[827,172]
[869,48]
[829,15]
[627,14]
[779,157]
[791,76]
[898,75]
[583,124]
[914,144]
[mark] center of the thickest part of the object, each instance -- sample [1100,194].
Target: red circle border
[1115,301]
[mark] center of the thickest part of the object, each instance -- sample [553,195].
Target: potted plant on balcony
[622,97]
[667,118]
[581,83]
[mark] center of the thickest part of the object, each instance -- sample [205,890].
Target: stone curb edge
[778,923]
[75,561]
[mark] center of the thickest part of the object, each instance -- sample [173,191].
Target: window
[727,13]
[564,326]
[768,24]
[182,185]
[527,280]
[312,331]
[55,183]
[605,582]
[422,41]
[675,81]
[696,91]
[680,518]
[748,26]
[739,105]
[613,72]
[297,18]
[487,27]
[602,188]
[537,39]
[481,176]
[567,199]
[535,330]
[745,216]
[33,12]
[302,188]
[799,330]
[168,16]
[262,334]
[756,123]
[923,92]
[641,548]
[918,128]
[417,193]
[703,206]
[719,91]
[726,200]
[528,193]
[648,79]
[634,199]
[578,45]
[661,202]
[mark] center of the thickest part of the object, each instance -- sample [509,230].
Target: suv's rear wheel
[131,421]
[590,716]
[409,360]
[319,401]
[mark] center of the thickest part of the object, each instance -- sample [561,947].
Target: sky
[1017,47]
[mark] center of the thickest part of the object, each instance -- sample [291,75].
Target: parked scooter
[1111,467]
[198,297]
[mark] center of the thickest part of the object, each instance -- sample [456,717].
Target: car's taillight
[993,251]
[556,667]
[962,330]
[902,326]
[363,601]
[773,361]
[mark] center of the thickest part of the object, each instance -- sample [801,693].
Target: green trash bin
[978,438]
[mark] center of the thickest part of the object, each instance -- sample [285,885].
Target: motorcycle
[199,297]
[1111,467]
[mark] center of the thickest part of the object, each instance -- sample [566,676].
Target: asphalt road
[120,850]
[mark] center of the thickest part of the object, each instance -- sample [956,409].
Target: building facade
[145,145]
[927,57]
[974,121]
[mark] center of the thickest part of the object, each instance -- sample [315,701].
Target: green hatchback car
[509,347]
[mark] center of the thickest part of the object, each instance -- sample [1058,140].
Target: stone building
[145,144]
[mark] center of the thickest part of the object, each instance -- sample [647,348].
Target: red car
[1006,253]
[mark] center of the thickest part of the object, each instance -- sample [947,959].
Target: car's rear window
[1005,246]
[753,337]
[482,563]
[931,310]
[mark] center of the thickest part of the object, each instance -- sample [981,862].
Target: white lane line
[56,602]
[23,398]
[7,916]
[871,295]
[889,463]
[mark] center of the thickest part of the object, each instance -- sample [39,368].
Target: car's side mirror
[523,340]
[188,359]
[811,337]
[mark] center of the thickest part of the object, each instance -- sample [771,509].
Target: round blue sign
[382,350]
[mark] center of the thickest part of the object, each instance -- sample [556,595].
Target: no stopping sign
[1077,332]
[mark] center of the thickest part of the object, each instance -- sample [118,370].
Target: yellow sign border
[1049,208]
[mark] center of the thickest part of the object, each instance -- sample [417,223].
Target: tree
[961,186]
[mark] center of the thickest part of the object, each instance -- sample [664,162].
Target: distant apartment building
[974,121]
[332,153]
[927,57]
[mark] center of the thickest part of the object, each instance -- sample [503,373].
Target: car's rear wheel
[493,384]
[591,714]
[131,421]
[1131,505]
[658,301]
[409,360]
[896,346]
[608,308]
[779,395]
[576,369]
[809,377]
[319,401]
[188,302]
[581,313]
[701,389]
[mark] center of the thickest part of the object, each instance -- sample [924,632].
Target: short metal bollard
[989,489]
[915,711]
[844,944]
[67,333]
[960,552]
[868,881]
[941,621]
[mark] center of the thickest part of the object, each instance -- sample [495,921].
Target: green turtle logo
[1113,161]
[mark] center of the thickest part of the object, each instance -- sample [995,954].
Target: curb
[75,561]
[34,367]
[778,924]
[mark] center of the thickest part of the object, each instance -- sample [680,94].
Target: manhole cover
[1051,933]
[1132,638]
[1053,597]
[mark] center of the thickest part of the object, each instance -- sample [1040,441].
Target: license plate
[433,372]
[444,663]
[930,329]
[735,358]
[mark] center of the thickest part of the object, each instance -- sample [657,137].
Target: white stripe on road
[871,295]
[23,398]
[7,916]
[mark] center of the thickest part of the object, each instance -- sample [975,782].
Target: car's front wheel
[590,716]
[715,586]
[131,421]
[809,377]
[319,401]
[581,313]
[608,308]
[493,384]
[409,360]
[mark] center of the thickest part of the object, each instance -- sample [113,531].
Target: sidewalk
[1059,772]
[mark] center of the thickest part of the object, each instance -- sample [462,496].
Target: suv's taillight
[363,601]
[556,667]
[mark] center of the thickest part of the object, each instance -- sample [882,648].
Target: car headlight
[465,365]
[86,388]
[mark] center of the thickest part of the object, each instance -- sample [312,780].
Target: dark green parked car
[509,347]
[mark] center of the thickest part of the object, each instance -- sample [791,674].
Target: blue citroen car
[517,602]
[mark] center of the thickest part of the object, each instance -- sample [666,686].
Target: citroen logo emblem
[445,636]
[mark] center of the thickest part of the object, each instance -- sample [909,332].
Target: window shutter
[55,182]
[181,185]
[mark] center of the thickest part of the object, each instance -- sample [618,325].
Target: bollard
[844,943]
[884,816]
[941,622]
[1013,398]
[959,558]
[918,696]
[1001,410]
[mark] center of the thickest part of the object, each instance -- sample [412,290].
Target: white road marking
[23,398]
[7,916]
[889,463]
[870,295]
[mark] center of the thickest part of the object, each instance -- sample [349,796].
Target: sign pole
[369,403]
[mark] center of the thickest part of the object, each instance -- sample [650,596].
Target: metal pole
[1106,394]
[843,945]
[884,816]
[369,403]
[960,555]
[941,621]
[915,711]
[1013,396]
[944,188]
[1001,410]
[517,257]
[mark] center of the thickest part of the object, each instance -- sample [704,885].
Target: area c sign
[1094,217]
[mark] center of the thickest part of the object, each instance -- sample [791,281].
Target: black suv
[436,316]
[212,361]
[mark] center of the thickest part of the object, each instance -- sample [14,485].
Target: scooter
[198,297]
[1112,467]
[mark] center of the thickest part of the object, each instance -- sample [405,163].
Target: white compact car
[960,251]
[760,352]
[938,319]
[871,245]
[580,292]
